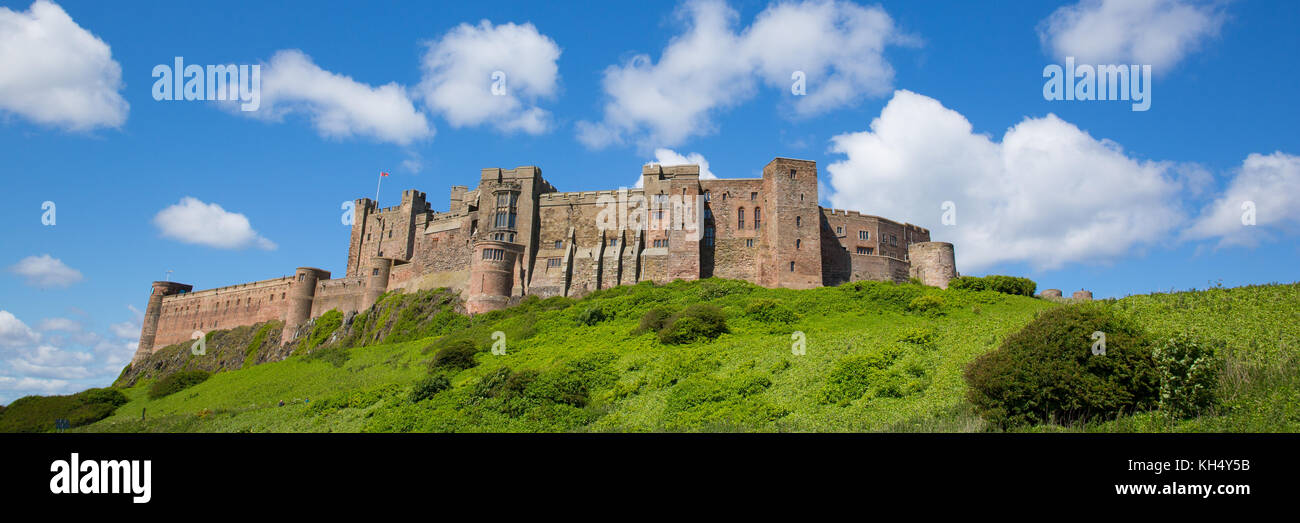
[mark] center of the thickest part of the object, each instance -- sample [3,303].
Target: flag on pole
[382,173]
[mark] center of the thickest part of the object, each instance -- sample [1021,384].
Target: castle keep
[516,235]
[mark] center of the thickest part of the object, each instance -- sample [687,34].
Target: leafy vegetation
[1004,284]
[1189,375]
[870,365]
[321,329]
[697,322]
[458,355]
[176,382]
[39,413]
[1049,371]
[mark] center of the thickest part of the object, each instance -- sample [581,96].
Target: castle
[516,235]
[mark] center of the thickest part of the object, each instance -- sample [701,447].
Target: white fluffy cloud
[46,271]
[192,221]
[837,45]
[670,157]
[1155,32]
[13,387]
[458,80]
[54,72]
[1269,183]
[70,358]
[15,333]
[46,361]
[1046,194]
[338,106]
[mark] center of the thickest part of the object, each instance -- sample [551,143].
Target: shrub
[995,283]
[176,382]
[457,355]
[654,320]
[918,336]
[1046,371]
[928,304]
[769,311]
[1189,375]
[591,315]
[853,376]
[429,386]
[700,321]
[38,413]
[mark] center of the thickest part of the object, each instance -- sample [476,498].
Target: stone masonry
[516,235]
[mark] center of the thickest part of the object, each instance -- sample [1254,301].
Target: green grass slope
[877,357]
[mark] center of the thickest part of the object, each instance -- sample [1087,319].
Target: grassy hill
[877,357]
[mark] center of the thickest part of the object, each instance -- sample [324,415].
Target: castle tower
[491,274]
[302,291]
[152,312]
[376,280]
[934,263]
[792,220]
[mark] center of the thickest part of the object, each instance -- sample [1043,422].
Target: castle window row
[494,254]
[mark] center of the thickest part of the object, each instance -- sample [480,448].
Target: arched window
[798,221]
[758,217]
[798,243]
[740,218]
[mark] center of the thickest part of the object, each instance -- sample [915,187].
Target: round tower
[302,291]
[934,263]
[1082,295]
[491,275]
[152,311]
[376,280]
[1051,293]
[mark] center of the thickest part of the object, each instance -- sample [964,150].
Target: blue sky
[1097,196]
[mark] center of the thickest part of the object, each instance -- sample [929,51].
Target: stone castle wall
[516,235]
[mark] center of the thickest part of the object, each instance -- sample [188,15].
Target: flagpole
[381,181]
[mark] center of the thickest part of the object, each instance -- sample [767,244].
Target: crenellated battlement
[516,235]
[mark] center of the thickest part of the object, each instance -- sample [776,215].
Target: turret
[302,291]
[934,263]
[149,327]
[376,280]
[491,275]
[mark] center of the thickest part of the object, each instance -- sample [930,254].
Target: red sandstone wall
[343,294]
[221,308]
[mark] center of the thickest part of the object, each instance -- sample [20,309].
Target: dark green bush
[38,413]
[700,321]
[654,320]
[1046,372]
[457,355]
[429,386]
[995,283]
[591,315]
[768,311]
[1189,374]
[177,381]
